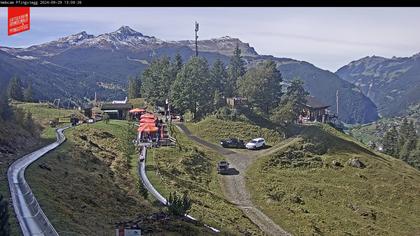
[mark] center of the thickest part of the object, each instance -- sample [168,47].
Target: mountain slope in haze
[393,84]
[77,66]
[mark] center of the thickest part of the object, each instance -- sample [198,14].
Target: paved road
[234,184]
[30,216]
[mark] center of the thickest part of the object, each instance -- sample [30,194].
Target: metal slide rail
[152,190]
[31,218]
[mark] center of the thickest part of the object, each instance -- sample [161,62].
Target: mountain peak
[126,30]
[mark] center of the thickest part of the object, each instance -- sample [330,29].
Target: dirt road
[234,184]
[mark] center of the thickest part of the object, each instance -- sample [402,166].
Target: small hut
[314,110]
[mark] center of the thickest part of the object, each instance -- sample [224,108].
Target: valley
[315,152]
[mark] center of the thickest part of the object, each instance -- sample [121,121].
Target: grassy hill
[304,183]
[191,168]
[301,188]
[213,130]
[86,186]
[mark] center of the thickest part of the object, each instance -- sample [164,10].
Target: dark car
[232,143]
[222,167]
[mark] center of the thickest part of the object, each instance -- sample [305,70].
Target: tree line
[402,143]
[202,89]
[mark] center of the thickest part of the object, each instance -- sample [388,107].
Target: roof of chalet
[116,106]
[312,102]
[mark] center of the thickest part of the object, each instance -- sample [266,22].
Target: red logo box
[19,20]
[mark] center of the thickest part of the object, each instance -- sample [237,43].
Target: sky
[327,37]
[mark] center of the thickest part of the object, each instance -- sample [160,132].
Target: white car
[256,143]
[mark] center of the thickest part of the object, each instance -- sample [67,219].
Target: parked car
[222,167]
[232,143]
[256,143]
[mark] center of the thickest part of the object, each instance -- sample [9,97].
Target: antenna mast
[196,37]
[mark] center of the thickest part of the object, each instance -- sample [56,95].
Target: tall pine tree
[15,89]
[157,80]
[390,142]
[134,87]
[192,90]
[236,70]
[27,93]
[219,77]
[261,85]
[291,104]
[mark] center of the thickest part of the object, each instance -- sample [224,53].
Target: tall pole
[336,102]
[196,37]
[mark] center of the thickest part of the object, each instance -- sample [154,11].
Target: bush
[178,206]
[318,149]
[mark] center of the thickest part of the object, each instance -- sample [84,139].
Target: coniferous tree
[236,70]
[157,80]
[177,65]
[219,77]
[178,206]
[412,136]
[390,142]
[292,103]
[192,89]
[262,86]
[15,89]
[134,87]
[403,132]
[6,112]
[27,93]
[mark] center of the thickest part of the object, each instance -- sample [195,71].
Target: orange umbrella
[143,120]
[136,110]
[142,125]
[148,128]
[147,124]
[148,116]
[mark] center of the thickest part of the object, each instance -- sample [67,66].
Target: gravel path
[234,186]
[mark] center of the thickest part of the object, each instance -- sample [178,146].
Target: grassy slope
[90,185]
[193,169]
[381,199]
[213,130]
[24,142]
[42,113]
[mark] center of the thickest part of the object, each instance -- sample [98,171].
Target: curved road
[30,216]
[234,185]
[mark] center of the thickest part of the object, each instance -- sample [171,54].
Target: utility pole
[196,37]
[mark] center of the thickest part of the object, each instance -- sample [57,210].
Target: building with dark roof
[117,111]
[314,110]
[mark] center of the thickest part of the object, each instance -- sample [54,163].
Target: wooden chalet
[314,111]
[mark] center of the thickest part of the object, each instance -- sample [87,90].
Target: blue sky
[326,37]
